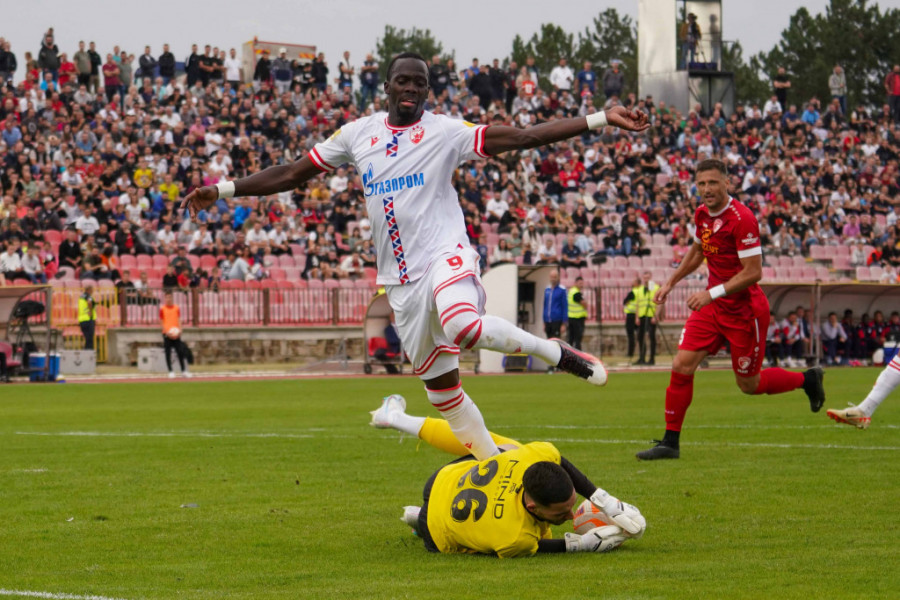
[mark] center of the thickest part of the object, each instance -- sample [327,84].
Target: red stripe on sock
[475,337]
[452,403]
[464,332]
[459,312]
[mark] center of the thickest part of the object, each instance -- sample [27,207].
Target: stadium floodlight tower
[680,54]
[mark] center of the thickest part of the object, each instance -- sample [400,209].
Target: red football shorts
[708,329]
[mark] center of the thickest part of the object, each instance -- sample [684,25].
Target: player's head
[712,183]
[169,299]
[406,86]
[549,492]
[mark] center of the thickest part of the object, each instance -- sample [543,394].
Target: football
[173,333]
[589,516]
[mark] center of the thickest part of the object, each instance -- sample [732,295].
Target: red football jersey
[726,237]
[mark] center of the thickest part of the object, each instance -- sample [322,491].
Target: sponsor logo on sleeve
[749,240]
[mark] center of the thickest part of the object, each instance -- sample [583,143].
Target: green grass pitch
[280,489]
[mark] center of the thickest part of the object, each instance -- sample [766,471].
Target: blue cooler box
[890,351]
[36,364]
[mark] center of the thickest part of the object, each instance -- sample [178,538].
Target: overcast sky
[473,28]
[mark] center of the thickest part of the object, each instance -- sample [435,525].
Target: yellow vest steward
[84,311]
[476,507]
[631,307]
[576,310]
[645,305]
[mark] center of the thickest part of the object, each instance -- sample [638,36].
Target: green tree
[396,41]
[547,47]
[750,86]
[612,37]
[855,34]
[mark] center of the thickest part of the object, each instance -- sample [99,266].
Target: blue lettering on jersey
[395,184]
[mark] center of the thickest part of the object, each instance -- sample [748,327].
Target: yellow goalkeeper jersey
[476,507]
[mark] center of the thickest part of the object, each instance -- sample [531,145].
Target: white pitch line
[133,434]
[167,434]
[728,444]
[741,426]
[51,595]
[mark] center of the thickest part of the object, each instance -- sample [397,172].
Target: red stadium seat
[277,273]
[208,262]
[53,236]
[144,261]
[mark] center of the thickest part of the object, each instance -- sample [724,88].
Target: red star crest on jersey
[717,225]
[416,134]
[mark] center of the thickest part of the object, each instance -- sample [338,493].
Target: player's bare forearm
[501,139]
[750,274]
[280,178]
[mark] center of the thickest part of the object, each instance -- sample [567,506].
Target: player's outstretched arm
[690,263]
[280,178]
[499,139]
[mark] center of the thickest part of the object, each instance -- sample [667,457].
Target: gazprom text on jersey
[395,184]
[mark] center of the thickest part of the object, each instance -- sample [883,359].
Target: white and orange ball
[589,516]
[173,333]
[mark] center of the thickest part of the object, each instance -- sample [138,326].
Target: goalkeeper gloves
[624,515]
[598,539]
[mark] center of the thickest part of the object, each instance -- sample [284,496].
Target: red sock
[778,381]
[678,397]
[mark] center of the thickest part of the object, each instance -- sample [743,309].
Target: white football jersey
[407,181]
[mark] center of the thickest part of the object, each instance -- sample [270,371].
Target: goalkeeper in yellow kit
[504,505]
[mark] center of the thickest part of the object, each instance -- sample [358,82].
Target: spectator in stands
[547,254]
[837,84]
[613,82]
[774,339]
[368,79]
[834,340]
[892,87]
[556,307]
[11,261]
[570,255]
[792,341]
[351,266]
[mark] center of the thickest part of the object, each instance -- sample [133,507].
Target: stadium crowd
[98,151]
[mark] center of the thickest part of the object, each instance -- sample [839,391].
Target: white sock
[465,420]
[502,336]
[884,385]
[406,423]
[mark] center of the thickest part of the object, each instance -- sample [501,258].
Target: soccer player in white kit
[861,416]
[406,159]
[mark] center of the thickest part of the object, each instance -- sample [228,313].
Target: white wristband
[597,120]
[717,291]
[226,190]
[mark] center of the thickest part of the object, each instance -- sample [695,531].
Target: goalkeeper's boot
[381,417]
[660,450]
[411,516]
[815,390]
[581,364]
[851,415]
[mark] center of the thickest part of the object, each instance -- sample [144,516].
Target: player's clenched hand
[662,292]
[598,539]
[698,300]
[632,120]
[200,199]
[625,515]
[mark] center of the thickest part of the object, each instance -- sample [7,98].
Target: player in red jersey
[732,308]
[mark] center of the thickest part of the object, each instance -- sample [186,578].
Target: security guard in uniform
[630,309]
[87,316]
[577,313]
[646,314]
